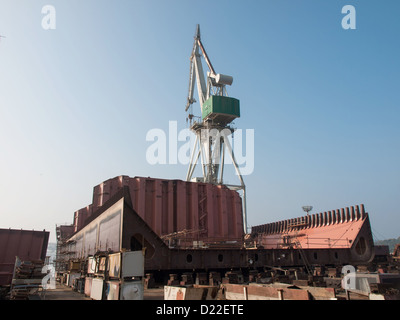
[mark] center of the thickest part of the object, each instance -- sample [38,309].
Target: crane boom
[197,72]
[210,66]
[205,88]
[201,82]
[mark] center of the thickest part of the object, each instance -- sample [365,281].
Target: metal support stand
[212,152]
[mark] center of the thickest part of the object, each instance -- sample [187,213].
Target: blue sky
[77,102]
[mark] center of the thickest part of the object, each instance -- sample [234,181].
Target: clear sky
[77,102]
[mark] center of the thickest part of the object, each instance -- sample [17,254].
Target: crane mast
[212,131]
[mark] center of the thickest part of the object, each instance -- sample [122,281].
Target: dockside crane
[213,128]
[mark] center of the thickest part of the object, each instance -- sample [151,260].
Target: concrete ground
[63,292]
[154,294]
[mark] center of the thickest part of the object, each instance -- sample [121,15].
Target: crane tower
[213,128]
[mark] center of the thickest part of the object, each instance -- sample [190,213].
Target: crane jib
[206,57]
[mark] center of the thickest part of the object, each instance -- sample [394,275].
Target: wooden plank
[319,293]
[264,292]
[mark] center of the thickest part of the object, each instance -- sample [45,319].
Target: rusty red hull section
[205,211]
[25,244]
[346,228]
[116,226]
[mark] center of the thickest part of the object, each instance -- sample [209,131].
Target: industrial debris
[27,279]
[22,257]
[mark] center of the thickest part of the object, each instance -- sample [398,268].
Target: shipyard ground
[66,293]
[63,292]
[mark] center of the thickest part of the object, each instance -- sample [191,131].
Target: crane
[212,130]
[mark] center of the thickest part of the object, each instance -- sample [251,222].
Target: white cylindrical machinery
[223,79]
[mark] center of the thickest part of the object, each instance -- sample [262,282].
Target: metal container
[132,264]
[74,265]
[71,278]
[97,289]
[114,265]
[126,264]
[132,290]
[190,293]
[81,285]
[88,286]
[91,266]
[112,291]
